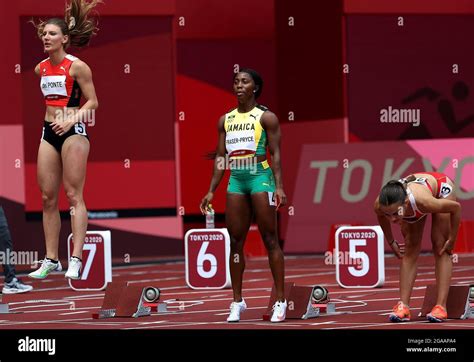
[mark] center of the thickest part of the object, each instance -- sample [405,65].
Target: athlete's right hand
[398,249]
[205,202]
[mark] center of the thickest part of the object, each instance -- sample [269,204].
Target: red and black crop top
[58,87]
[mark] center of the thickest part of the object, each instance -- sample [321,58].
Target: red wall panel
[309,59]
[230,19]
[409,6]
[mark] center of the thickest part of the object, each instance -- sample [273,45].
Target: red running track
[53,305]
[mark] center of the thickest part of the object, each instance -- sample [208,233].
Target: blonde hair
[77,23]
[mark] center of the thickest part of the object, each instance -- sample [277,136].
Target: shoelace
[12,283]
[42,262]
[15,284]
[234,306]
[277,306]
[400,306]
[438,309]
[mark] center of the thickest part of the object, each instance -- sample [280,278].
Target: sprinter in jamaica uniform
[255,187]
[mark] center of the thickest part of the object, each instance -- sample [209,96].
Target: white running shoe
[279,312]
[47,267]
[235,309]
[74,268]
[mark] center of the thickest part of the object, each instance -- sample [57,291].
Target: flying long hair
[79,23]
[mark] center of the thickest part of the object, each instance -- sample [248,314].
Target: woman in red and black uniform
[406,202]
[64,147]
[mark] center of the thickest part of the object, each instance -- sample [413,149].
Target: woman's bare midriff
[59,113]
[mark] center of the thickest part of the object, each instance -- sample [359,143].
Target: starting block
[320,299]
[3,307]
[124,300]
[460,304]
[304,302]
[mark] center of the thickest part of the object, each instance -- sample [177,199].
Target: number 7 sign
[96,261]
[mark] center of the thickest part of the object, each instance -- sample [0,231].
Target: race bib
[445,190]
[240,143]
[54,85]
[271,198]
[80,128]
[421,180]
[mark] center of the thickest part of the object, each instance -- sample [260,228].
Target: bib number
[445,190]
[80,128]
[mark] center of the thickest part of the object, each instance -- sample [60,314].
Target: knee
[73,196]
[411,253]
[437,245]
[236,243]
[49,200]
[271,242]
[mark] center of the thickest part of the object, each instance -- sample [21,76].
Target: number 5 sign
[207,258]
[96,261]
[360,257]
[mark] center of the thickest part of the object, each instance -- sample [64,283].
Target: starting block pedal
[320,299]
[326,308]
[471,302]
[4,309]
[151,296]
[460,304]
[304,302]
[124,300]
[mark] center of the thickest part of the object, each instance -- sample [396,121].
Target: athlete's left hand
[281,197]
[60,128]
[448,247]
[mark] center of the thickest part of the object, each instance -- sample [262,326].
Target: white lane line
[322,323]
[58,310]
[78,312]
[196,324]
[150,323]
[13,323]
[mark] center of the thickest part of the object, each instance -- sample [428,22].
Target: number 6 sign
[207,258]
[96,261]
[360,257]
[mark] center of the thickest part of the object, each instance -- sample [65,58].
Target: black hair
[394,191]
[257,79]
